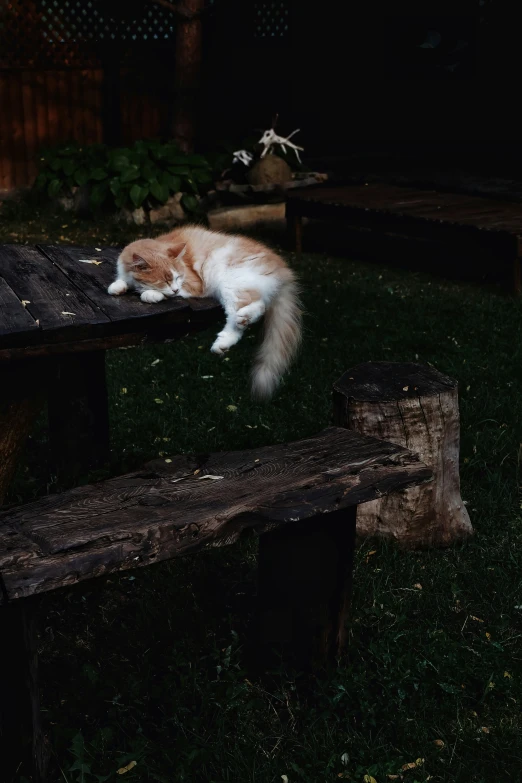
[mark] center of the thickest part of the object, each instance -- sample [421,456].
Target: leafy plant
[146,174]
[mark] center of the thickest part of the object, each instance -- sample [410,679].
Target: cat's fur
[248,278]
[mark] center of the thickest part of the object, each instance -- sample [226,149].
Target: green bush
[146,174]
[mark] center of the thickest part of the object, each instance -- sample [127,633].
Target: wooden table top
[430,205]
[53,299]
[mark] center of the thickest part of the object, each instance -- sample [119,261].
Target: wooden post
[78,415]
[414,406]
[305,577]
[22,395]
[23,748]
[187,71]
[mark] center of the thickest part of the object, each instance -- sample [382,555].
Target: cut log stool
[416,407]
[300,496]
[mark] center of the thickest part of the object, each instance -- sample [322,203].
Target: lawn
[149,667]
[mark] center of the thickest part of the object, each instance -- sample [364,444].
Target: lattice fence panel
[271,18]
[71,33]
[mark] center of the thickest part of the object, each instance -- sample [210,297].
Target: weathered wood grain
[14,318]
[57,304]
[170,509]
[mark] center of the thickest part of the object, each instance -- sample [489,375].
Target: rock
[137,216]
[271,170]
[170,212]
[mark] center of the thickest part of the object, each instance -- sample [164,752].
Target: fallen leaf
[369,779]
[484,729]
[208,476]
[232,408]
[25,302]
[64,312]
[409,765]
[123,770]
[345,759]
[284,778]
[419,762]
[488,635]
[507,674]
[90,261]
[477,619]
[418,586]
[197,471]
[98,249]
[155,362]
[405,388]
[168,460]
[159,401]
[438,743]
[124,390]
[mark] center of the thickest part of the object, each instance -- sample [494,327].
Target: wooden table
[56,322]
[490,224]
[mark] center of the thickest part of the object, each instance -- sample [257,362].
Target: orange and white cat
[248,278]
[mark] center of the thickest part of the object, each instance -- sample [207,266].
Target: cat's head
[155,265]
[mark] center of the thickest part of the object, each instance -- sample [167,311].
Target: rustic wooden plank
[14,317]
[304,590]
[168,510]
[48,293]
[94,279]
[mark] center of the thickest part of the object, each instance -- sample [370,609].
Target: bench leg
[23,748]
[22,395]
[78,415]
[305,577]
[516,285]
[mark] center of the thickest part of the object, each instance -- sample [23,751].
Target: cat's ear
[177,251]
[139,263]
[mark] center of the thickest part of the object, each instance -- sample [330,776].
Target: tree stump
[414,406]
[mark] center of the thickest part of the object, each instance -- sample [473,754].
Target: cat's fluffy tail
[281,341]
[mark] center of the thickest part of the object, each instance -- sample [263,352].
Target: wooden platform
[492,224]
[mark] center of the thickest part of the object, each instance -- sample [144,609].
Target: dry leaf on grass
[123,770]
[438,743]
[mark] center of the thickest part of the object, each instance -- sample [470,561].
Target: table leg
[78,415]
[24,751]
[22,395]
[298,234]
[305,577]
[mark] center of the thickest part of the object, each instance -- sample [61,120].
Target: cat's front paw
[117,288]
[152,296]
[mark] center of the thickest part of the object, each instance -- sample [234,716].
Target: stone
[137,216]
[271,170]
[171,212]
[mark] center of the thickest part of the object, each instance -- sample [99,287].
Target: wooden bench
[487,224]
[302,497]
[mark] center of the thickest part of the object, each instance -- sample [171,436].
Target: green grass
[149,667]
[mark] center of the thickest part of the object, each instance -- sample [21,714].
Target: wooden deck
[495,225]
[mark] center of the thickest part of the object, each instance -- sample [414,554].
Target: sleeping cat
[249,280]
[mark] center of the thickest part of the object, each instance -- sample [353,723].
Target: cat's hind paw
[117,288]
